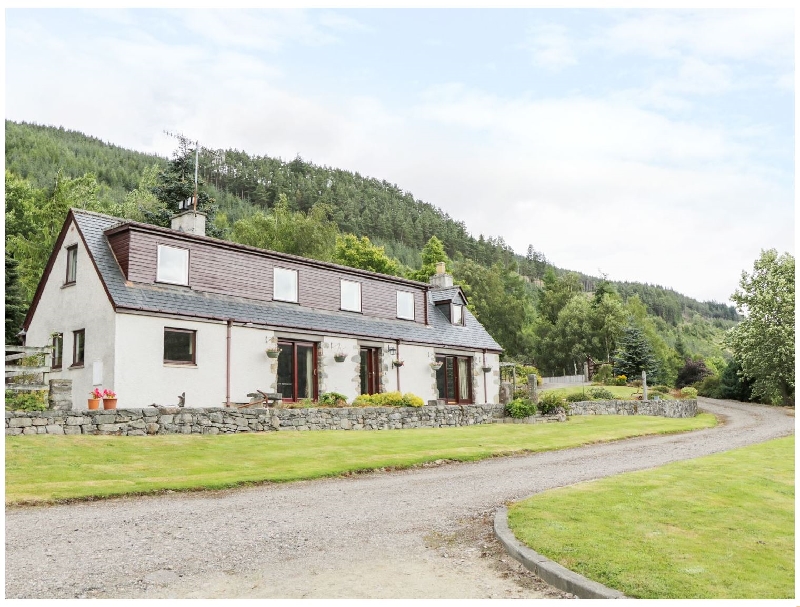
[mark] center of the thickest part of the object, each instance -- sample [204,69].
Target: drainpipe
[228,366]
[397,369]
[485,388]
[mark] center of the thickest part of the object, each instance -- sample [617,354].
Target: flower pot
[109,403]
[436,366]
[339,358]
[273,353]
[397,363]
[94,403]
[487,369]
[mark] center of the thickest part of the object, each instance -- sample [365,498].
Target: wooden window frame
[456,397]
[57,363]
[75,362]
[72,261]
[158,264]
[296,284]
[360,295]
[193,333]
[283,343]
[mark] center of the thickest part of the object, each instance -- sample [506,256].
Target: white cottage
[154,313]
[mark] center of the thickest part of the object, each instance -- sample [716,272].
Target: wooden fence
[24,377]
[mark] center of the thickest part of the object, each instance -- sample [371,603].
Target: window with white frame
[458,314]
[351,296]
[173,265]
[72,264]
[285,285]
[405,305]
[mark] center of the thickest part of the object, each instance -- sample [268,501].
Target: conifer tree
[634,355]
[15,305]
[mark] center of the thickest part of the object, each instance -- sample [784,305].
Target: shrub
[26,401]
[620,380]
[576,397]
[520,393]
[550,401]
[689,392]
[603,375]
[709,386]
[520,407]
[600,394]
[333,399]
[636,383]
[664,389]
[388,399]
[693,371]
[306,403]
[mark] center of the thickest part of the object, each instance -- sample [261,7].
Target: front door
[369,371]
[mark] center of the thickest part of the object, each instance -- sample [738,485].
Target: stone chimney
[190,221]
[441,280]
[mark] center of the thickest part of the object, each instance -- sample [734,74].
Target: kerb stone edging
[552,573]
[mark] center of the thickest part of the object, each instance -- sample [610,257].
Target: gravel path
[410,534]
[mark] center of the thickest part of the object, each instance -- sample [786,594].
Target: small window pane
[72,263]
[351,296]
[78,345]
[179,346]
[285,284]
[458,314]
[405,305]
[58,350]
[173,265]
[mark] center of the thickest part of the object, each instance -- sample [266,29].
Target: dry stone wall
[174,420]
[661,408]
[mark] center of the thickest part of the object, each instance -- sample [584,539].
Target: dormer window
[458,314]
[72,265]
[173,265]
[405,305]
[285,285]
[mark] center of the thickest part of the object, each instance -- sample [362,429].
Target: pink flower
[96,393]
[109,393]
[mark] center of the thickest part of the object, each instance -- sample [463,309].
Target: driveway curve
[421,533]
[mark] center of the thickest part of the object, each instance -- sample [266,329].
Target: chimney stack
[190,221]
[441,280]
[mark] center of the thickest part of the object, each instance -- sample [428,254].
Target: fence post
[644,385]
[60,396]
[533,388]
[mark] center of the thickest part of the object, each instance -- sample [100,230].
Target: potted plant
[397,363]
[436,365]
[273,351]
[339,357]
[109,399]
[95,396]
[487,368]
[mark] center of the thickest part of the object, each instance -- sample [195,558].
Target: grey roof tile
[178,300]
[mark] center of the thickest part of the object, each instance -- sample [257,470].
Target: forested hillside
[539,313]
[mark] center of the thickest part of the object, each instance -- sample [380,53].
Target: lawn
[720,526]
[51,468]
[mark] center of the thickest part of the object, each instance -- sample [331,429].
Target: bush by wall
[520,407]
[388,399]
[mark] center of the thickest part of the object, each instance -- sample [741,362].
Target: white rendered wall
[142,376]
[83,305]
[490,393]
[416,374]
[251,368]
[343,377]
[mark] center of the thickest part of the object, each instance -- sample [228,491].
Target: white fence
[564,379]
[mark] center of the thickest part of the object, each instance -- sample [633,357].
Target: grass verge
[54,468]
[720,526]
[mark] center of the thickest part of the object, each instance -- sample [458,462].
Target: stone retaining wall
[661,408]
[174,420]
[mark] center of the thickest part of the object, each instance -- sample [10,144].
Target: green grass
[52,468]
[720,526]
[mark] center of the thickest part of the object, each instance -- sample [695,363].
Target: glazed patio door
[297,371]
[369,371]
[454,380]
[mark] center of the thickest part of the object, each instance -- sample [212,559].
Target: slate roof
[450,294]
[181,301]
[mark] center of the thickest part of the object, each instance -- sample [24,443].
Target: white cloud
[549,46]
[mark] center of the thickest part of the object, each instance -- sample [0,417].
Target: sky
[647,145]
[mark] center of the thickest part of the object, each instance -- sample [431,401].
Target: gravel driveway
[410,534]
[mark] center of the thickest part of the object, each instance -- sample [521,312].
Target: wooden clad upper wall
[120,245]
[242,274]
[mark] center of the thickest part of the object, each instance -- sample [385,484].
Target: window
[458,314]
[78,347]
[351,296]
[58,350]
[285,285]
[72,264]
[297,370]
[173,265]
[405,305]
[453,379]
[179,346]
[369,371]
